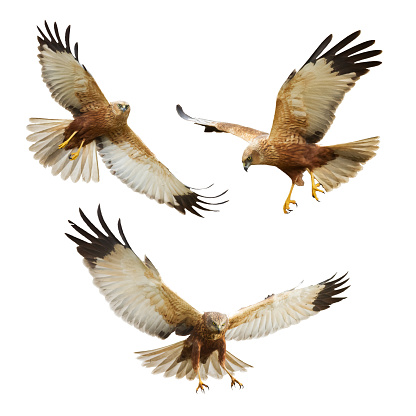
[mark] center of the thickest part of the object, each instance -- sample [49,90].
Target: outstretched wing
[307,101]
[69,82]
[280,311]
[246,133]
[133,288]
[135,165]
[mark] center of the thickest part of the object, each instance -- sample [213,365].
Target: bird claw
[286,206]
[315,188]
[234,381]
[201,386]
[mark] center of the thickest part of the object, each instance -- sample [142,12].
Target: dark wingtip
[327,296]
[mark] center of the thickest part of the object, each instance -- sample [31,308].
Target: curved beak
[246,165]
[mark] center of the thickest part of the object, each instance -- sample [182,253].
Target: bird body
[137,293]
[305,109]
[97,126]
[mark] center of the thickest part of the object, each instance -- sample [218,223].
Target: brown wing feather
[246,133]
[133,288]
[135,165]
[307,101]
[69,82]
[280,311]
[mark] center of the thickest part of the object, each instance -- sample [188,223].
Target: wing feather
[283,310]
[134,164]
[69,82]
[246,133]
[133,288]
[307,101]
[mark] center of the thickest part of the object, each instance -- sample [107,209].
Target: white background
[64,352]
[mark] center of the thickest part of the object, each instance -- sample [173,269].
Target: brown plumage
[137,293]
[70,146]
[305,109]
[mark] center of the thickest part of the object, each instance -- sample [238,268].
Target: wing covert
[69,82]
[134,289]
[285,309]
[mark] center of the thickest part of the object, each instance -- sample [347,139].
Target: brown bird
[137,293]
[70,146]
[305,109]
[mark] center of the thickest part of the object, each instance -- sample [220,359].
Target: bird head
[121,109]
[251,156]
[215,322]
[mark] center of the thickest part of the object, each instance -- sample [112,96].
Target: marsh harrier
[305,109]
[70,146]
[136,292]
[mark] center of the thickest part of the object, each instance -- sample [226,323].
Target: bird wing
[246,133]
[69,82]
[135,165]
[280,311]
[133,288]
[307,101]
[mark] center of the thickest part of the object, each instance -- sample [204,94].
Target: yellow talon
[289,201]
[315,187]
[76,154]
[201,385]
[62,145]
[234,381]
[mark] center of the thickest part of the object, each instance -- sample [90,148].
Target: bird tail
[47,135]
[348,161]
[168,360]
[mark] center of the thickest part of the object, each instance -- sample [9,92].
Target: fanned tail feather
[167,360]
[47,135]
[350,158]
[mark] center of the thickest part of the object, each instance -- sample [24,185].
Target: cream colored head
[251,156]
[215,321]
[121,109]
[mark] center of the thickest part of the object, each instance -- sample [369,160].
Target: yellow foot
[201,386]
[315,188]
[286,206]
[76,154]
[62,145]
[234,381]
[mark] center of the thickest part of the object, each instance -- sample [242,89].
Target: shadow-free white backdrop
[64,352]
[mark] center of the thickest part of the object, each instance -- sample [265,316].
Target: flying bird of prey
[305,109]
[70,146]
[136,292]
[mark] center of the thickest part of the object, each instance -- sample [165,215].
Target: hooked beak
[246,164]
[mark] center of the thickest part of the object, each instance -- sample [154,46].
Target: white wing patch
[142,173]
[316,94]
[131,289]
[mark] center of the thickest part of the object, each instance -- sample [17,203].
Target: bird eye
[249,158]
[127,106]
[120,106]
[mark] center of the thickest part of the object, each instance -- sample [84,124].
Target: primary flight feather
[136,292]
[305,109]
[70,146]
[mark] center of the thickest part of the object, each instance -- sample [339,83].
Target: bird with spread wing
[305,109]
[70,146]
[136,292]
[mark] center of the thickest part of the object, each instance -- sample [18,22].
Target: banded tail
[47,135]
[348,162]
[167,360]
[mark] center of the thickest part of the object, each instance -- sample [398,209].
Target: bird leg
[76,154]
[233,380]
[201,385]
[315,186]
[289,201]
[62,145]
